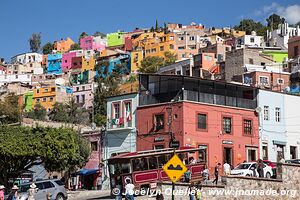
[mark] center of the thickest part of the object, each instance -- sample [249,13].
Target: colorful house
[93,43]
[46,96]
[54,63]
[67,61]
[115,39]
[76,63]
[136,60]
[113,61]
[63,45]
[278,56]
[88,63]
[28,101]
[84,95]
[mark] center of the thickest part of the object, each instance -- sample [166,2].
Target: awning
[86,172]
[279,142]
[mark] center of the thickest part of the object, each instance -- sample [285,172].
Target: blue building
[120,135]
[54,63]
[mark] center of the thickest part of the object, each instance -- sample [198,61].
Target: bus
[144,168]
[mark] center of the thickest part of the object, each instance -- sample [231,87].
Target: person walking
[14,193]
[260,168]
[31,192]
[226,168]
[205,175]
[2,192]
[217,173]
[129,190]
[187,176]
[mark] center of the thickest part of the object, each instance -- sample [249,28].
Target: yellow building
[44,95]
[136,60]
[88,63]
[154,43]
[227,31]
[63,45]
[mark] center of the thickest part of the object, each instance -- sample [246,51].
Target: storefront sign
[227,142]
[159,139]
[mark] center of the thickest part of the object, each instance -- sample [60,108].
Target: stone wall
[236,187]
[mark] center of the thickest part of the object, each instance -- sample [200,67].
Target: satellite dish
[258,109]
[60,81]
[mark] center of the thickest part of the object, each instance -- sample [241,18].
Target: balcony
[123,125]
[163,88]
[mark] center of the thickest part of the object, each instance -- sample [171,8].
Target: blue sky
[57,19]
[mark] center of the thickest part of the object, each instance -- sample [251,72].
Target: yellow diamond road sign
[174,168]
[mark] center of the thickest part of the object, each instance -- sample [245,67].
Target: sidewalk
[87,194]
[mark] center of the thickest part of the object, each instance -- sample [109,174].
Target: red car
[271,164]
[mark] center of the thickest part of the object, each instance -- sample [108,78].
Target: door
[50,188]
[228,155]
[251,154]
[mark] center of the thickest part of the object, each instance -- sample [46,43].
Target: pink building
[67,61]
[83,94]
[93,43]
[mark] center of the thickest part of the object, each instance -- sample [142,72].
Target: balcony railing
[124,125]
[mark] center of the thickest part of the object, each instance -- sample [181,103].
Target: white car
[249,169]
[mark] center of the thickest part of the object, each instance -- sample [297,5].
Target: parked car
[273,165]
[249,169]
[293,161]
[53,186]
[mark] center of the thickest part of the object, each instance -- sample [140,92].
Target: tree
[297,24]
[170,57]
[35,42]
[37,113]
[75,46]
[9,110]
[273,21]
[249,25]
[151,64]
[57,149]
[98,33]
[156,25]
[47,48]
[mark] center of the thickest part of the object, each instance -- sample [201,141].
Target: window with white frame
[116,111]
[280,81]
[266,113]
[277,114]
[264,80]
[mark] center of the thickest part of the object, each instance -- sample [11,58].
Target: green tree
[170,57]
[273,21]
[249,25]
[38,112]
[35,42]
[75,46]
[156,25]
[47,48]
[9,110]
[57,149]
[151,64]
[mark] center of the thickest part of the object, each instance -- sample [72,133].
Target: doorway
[228,155]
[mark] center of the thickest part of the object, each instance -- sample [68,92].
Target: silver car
[53,186]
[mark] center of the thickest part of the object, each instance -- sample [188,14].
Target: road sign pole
[173,184]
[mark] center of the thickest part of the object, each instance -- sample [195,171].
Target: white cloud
[290,13]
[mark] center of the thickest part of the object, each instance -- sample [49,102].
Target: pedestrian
[129,190]
[199,192]
[217,173]
[226,168]
[281,159]
[31,192]
[205,175]
[192,192]
[260,168]
[119,188]
[99,183]
[2,192]
[14,193]
[187,176]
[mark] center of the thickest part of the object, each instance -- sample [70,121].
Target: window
[181,47]
[247,127]
[277,114]
[160,146]
[266,113]
[38,100]
[207,57]
[252,39]
[77,88]
[265,151]
[293,152]
[83,98]
[183,55]
[77,98]
[264,80]
[45,90]
[159,122]
[128,111]
[48,184]
[251,61]
[171,46]
[180,38]
[153,50]
[83,87]
[66,61]
[202,121]
[17,76]
[116,111]
[227,124]
[51,99]
[44,99]
[161,48]
[280,81]
[251,154]
[94,146]
[203,153]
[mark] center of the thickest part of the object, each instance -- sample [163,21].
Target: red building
[217,117]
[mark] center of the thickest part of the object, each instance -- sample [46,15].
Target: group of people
[14,195]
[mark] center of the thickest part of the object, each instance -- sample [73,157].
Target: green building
[28,101]
[115,39]
[278,56]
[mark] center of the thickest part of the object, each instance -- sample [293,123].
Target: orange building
[136,60]
[45,95]
[88,63]
[63,45]
[154,43]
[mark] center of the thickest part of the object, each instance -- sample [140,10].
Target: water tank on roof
[253,33]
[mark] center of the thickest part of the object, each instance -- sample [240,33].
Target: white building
[15,78]
[26,68]
[27,58]
[281,36]
[249,41]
